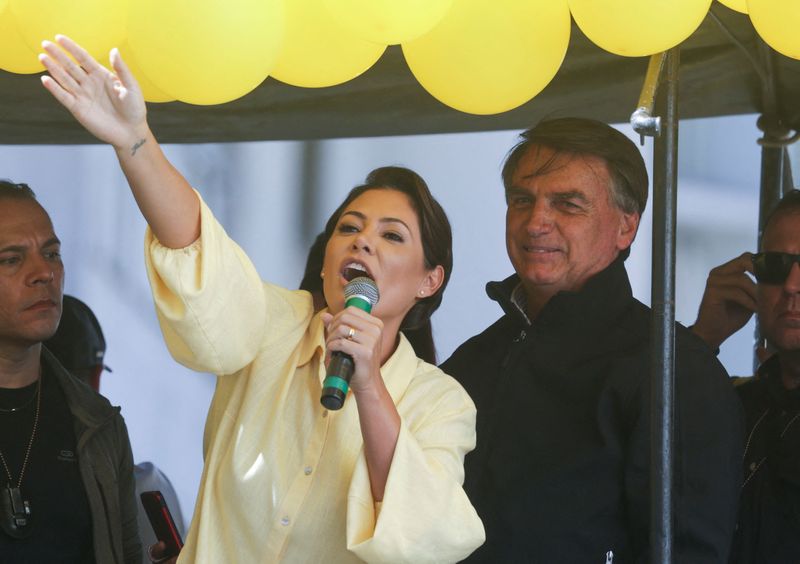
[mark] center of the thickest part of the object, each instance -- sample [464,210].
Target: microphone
[361,292]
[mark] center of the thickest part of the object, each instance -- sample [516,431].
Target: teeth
[356,266]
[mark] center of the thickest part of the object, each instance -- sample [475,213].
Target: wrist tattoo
[136,146]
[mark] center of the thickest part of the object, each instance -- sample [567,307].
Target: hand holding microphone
[361,293]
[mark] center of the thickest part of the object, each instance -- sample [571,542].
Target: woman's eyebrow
[361,216]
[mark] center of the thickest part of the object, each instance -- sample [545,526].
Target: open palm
[108,104]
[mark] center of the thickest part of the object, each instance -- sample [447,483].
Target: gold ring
[350,334]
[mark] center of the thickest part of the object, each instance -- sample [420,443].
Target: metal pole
[662,358]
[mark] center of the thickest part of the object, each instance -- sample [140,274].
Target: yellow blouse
[284,479]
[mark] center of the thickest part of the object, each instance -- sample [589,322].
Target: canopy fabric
[716,78]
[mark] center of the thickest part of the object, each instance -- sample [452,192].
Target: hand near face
[728,301]
[363,344]
[108,104]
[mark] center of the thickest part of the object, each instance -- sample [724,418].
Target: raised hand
[108,104]
[728,302]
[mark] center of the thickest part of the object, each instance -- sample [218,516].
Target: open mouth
[354,270]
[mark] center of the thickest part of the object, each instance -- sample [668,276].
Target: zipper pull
[518,339]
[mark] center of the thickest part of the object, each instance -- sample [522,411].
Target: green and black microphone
[361,292]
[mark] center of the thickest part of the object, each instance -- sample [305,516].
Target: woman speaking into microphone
[285,479]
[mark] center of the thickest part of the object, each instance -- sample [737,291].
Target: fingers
[738,293]
[80,54]
[742,263]
[155,552]
[66,73]
[121,69]
[64,98]
[731,281]
[70,70]
[350,328]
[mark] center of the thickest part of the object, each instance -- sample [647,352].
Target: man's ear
[432,282]
[628,226]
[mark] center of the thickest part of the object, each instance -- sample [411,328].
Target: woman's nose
[363,242]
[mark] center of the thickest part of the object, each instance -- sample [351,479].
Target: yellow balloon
[388,22]
[209,51]
[97,25]
[149,90]
[635,28]
[490,56]
[777,21]
[738,5]
[317,51]
[15,55]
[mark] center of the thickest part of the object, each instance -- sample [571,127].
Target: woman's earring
[322,274]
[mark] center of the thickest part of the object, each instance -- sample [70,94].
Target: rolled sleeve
[425,516]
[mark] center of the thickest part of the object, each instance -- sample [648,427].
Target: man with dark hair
[67,479]
[561,382]
[768,529]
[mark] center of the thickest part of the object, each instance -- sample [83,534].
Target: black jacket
[768,531]
[106,466]
[561,469]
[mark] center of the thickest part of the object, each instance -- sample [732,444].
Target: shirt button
[307,470]
[752,466]
[285,521]
[325,413]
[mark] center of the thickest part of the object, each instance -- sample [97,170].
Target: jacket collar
[771,372]
[88,407]
[605,296]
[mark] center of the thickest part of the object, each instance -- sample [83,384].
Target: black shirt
[768,529]
[60,518]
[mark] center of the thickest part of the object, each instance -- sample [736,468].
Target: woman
[285,480]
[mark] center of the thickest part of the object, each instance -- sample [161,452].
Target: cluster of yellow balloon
[477,56]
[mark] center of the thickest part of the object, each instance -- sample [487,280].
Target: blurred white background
[263,194]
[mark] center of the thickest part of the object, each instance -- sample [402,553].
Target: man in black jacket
[66,470]
[768,529]
[561,382]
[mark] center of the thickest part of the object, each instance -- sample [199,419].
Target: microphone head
[364,287]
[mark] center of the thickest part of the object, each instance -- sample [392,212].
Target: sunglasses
[773,267]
